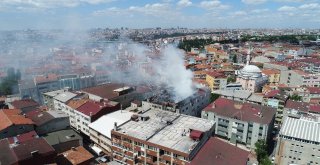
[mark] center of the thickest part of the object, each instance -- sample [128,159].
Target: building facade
[159,137]
[299,141]
[242,123]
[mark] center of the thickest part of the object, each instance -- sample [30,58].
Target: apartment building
[159,137]
[216,80]
[191,105]
[276,99]
[238,122]
[13,123]
[100,130]
[299,141]
[83,112]
[299,78]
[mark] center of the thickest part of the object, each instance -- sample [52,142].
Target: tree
[261,150]
[295,97]
[234,59]
[214,97]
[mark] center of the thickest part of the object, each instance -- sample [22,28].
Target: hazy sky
[79,14]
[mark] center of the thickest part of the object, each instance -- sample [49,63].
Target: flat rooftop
[105,124]
[166,129]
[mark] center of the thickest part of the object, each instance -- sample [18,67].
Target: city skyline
[85,14]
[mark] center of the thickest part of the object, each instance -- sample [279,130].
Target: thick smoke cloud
[125,61]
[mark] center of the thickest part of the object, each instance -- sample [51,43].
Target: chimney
[213,105]
[34,153]
[115,126]
[90,113]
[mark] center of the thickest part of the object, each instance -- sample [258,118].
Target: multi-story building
[159,137]
[83,112]
[191,105]
[76,81]
[46,83]
[276,99]
[299,78]
[273,75]
[13,123]
[239,122]
[216,80]
[116,92]
[25,105]
[49,121]
[100,130]
[299,141]
[48,97]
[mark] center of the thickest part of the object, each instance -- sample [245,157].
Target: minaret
[248,55]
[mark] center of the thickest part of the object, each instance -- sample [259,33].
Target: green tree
[214,97]
[295,97]
[234,58]
[261,150]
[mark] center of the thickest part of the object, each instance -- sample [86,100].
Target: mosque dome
[250,71]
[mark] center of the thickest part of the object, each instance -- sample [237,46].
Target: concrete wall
[296,152]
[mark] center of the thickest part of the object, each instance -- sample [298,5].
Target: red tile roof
[216,74]
[9,117]
[46,78]
[91,108]
[315,108]
[24,103]
[7,156]
[297,105]
[23,150]
[217,152]
[78,155]
[242,111]
[23,137]
[314,90]
[105,90]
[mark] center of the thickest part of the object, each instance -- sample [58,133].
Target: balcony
[222,129]
[127,144]
[114,148]
[153,153]
[166,157]
[223,123]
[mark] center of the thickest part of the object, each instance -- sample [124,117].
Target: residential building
[240,95]
[100,130]
[63,140]
[46,83]
[75,156]
[13,123]
[216,80]
[35,151]
[83,112]
[219,152]
[116,92]
[159,137]
[273,75]
[76,81]
[299,78]
[242,123]
[25,105]
[48,97]
[299,141]
[191,105]
[60,100]
[49,121]
[276,99]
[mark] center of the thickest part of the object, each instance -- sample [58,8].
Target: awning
[97,150]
